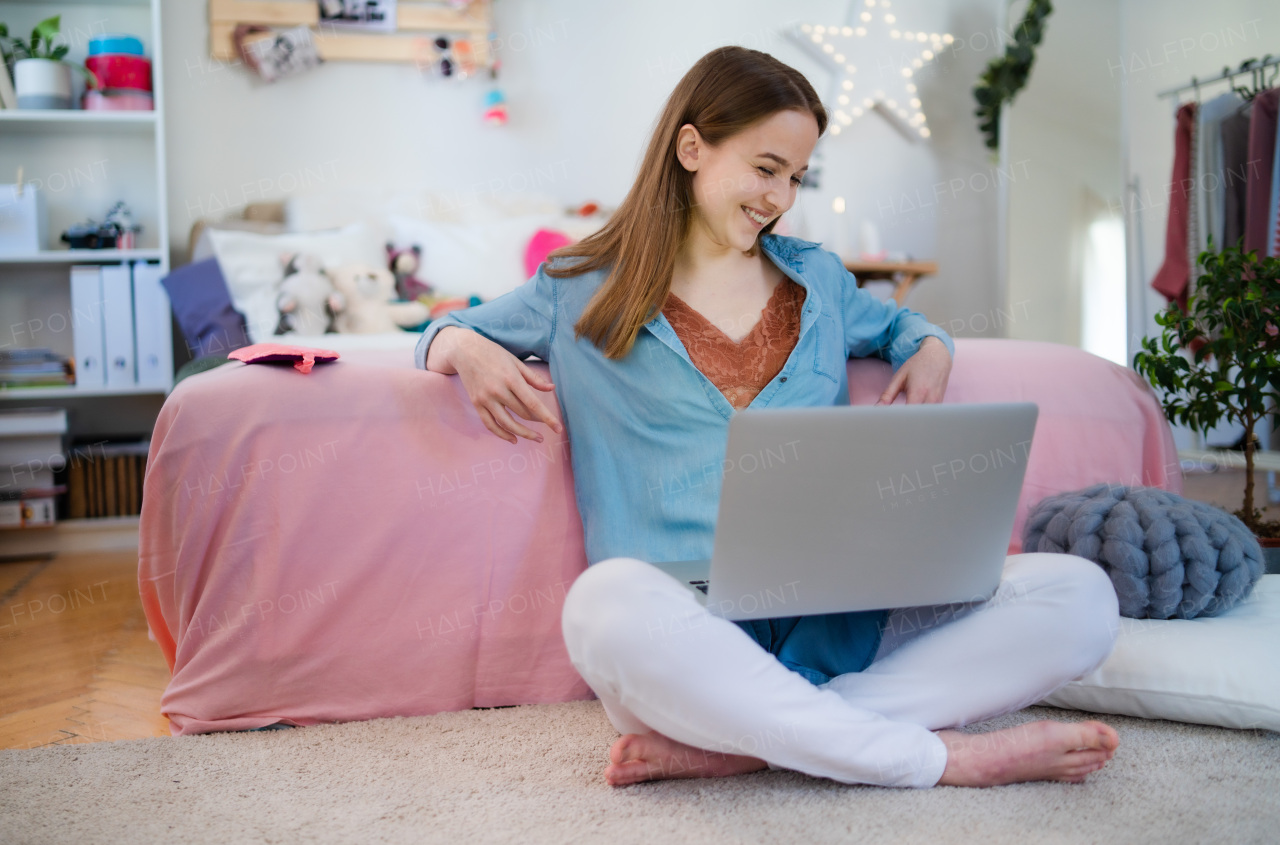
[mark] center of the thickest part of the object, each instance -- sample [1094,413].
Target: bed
[352,543]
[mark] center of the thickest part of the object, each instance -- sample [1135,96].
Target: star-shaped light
[889,56]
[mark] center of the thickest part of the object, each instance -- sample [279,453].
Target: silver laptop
[827,510]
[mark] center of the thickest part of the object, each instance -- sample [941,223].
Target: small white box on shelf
[24,220]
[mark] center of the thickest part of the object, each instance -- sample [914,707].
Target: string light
[835,44]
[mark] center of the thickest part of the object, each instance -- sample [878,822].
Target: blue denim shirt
[647,433]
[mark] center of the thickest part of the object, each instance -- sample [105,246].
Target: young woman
[682,310]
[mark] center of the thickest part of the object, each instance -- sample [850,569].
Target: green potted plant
[1006,75]
[1220,360]
[41,78]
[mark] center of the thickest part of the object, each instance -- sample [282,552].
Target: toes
[625,749]
[627,773]
[1093,736]
[1087,758]
[1102,735]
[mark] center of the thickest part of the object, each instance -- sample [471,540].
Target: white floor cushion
[1221,671]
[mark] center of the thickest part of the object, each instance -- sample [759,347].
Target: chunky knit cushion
[1168,557]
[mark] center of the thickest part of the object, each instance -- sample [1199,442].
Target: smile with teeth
[758,218]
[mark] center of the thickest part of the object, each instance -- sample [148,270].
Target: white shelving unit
[84,161]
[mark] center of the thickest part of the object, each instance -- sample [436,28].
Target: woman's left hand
[923,378]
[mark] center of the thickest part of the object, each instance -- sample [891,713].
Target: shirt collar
[786,252]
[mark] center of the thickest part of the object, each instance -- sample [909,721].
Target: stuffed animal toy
[306,296]
[405,264]
[366,301]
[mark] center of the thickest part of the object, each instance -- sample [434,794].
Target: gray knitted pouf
[1168,557]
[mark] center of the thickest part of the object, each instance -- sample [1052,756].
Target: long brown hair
[728,90]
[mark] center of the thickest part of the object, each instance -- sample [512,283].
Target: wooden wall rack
[417,25]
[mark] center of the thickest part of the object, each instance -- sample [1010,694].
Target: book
[95,489]
[106,479]
[77,489]
[27,421]
[109,487]
[30,447]
[33,508]
[38,513]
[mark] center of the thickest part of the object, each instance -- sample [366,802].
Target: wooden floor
[76,664]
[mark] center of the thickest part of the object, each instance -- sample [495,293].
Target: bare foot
[652,756]
[1043,750]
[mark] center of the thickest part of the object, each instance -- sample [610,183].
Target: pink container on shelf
[120,70]
[117,100]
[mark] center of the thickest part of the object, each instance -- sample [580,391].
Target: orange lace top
[741,370]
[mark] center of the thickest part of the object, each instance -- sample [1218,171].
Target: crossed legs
[695,696]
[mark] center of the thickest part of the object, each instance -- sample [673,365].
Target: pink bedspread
[353,543]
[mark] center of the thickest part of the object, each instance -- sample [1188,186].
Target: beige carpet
[533,774]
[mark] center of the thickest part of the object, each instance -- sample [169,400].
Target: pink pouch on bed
[303,357]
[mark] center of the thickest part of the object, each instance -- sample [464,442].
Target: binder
[86,321]
[117,324]
[154,347]
[131,472]
[77,490]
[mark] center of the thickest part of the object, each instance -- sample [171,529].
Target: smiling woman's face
[749,179]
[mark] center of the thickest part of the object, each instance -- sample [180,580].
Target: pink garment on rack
[1262,146]
[1174,274]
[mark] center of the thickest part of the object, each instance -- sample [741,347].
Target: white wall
[1063,154]
[584,82]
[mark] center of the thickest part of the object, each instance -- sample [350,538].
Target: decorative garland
[1006,76]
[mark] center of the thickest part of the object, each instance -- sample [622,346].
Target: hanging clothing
[1273,226]
[1195,217]
[1173,277]
[1212,184]
[1262,156]
[1236,167]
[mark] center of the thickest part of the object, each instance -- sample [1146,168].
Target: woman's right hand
[500,385]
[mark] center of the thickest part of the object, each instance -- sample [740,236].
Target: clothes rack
[1250,66]
[1200,173]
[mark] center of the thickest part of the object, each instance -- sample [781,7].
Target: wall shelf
[73,122]
[82,256]
[72,392]
[417,23]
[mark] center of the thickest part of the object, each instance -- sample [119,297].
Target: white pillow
[1221,671]
[485,202]
[343,343]
[337,208]
[481,259]
[250,262]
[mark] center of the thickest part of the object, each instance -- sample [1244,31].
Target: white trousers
[660,661]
